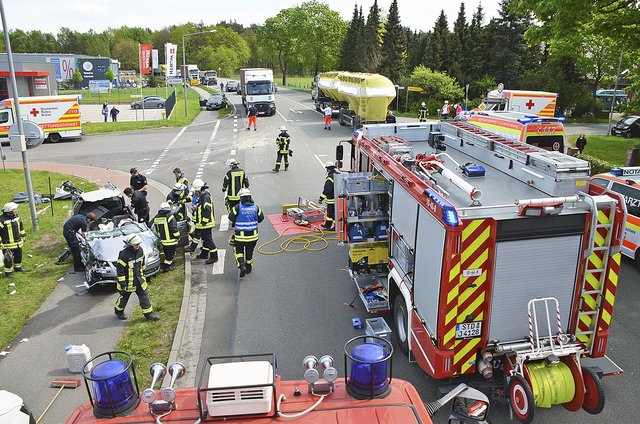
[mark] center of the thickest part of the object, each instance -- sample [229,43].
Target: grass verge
[609,148]
[150,341]
[119,95]
[40,250]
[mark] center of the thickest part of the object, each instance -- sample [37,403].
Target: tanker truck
[358,98]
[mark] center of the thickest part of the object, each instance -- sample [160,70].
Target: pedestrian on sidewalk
[234,181]
[75,225]
[12,236]
[283,141]
[245,216]
[105,111]
[139,204]
[204,219]
[138,181]
[252,113]
[166,227]
[581,143]
[130,269]
[114,114]
[328,113]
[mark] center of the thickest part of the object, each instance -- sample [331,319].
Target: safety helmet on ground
[423,104]
[244,192]
[8,207]
[232,162]
[330,164]
[283,128]
[164,206]
[197,184]
[134,240]
[178,186]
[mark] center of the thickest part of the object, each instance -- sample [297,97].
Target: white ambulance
[541,103]
[58,116]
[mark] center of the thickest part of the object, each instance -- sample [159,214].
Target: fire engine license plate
[468,330]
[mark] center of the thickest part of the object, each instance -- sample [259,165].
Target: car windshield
[215,98]
[630,120]
[259,87]
[123,230]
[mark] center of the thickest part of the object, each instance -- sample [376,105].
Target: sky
[82,15]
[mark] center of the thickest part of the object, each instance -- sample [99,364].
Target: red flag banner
[145,58]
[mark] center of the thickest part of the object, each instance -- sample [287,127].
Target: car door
[635,128]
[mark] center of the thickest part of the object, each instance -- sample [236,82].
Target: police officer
[138,181]
[166,227]
[12,236]
[179,196]
[130,268]
[282,141]
[139,204]
[204,219]
[76,224]
[246,215]
[233,182]
[328,195]
[423,112]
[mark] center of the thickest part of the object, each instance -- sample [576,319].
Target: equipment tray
[374,299]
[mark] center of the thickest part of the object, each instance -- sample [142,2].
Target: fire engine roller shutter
[526,269]
[404,215]
[428,268]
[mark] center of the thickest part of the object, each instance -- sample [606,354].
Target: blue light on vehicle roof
[616,172]
[530,116]
[538,120]
[561,119]
[449,214]
[524,120]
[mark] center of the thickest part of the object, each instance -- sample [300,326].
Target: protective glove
[320,200]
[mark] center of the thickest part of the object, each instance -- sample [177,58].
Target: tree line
[571,47]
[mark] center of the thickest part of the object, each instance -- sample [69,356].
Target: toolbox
[306,211]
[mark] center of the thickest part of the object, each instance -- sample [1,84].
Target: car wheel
[88,275]
[160,106]
[54,137]
[136,106]
[628,134]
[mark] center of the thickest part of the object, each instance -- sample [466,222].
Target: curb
[182,319]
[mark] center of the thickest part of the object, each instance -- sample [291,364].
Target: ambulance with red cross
[541,103]
[58,116]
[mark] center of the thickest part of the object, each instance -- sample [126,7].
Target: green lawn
[120,95]
[608,148]
[40,250]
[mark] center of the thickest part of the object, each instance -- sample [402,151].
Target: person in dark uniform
[328,196]
[204,219]
[130,268]
[12,237]
[246,216]
[179,196]
[139,204]
[391,118]
[166,228]
[180,178]
[282,141]
[234,181]
[76,224]
[138,181]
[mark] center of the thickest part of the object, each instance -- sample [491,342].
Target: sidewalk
[93,113]
[69,316]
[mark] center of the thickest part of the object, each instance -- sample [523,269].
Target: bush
[598,166]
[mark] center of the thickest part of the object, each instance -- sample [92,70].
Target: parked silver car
[150,102]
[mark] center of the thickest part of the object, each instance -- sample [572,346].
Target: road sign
[416,89]
[33,134]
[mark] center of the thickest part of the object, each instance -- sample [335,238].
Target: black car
[627,127]
[231,85]
[216,101]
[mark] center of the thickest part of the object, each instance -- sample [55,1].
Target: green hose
[551,384]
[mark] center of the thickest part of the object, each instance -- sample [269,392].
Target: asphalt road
[295,304]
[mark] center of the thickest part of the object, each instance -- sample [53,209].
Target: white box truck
[258,89]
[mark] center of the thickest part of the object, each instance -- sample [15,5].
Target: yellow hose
[299,242]
[551,384]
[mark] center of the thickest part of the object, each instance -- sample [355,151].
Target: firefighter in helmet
[204,219]
[12,236]
[234,180]
[179,195]
[282,141]
[130,268]
[423,112]
[246,216]
[328,196]
[166,227]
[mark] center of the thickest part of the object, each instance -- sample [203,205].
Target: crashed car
[102,243]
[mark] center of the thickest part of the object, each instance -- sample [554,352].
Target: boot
[151,317]
[248,267]
[191,247]
[276,169]
[203,254]
[243,270]
[167,268]
[8,274]
[120,314]
[20,269]
[213,258]
[232,240]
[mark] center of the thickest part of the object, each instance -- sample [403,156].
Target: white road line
[207,151]
[233,152]
[304,106]
[218,267]
[164,152]
[320,160]
[224,223]
[286,120]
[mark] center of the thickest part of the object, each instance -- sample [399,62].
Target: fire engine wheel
[521,399]
[400,323]
[594,392]
[54,137]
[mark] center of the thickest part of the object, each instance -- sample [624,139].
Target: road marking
[295,111]
[320,160]
[218,267]
[303,105]
[164,152]
[224,223]
[143,160]
[233,152]
[286,120]
[207,150]
[235,130]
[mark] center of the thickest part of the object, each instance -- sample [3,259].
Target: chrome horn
[176,371]
[329,372]
[157,371]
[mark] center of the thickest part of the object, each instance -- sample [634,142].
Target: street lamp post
[184,68]
[615,91]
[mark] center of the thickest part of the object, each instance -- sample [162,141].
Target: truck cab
[257,89]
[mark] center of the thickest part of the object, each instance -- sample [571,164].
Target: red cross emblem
[34,112]
[529,104]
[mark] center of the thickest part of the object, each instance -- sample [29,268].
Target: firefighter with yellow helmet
[12,236]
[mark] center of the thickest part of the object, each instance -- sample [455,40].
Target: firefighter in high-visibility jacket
[234,181]
[166,227]
[179,195]
[246,215]
[423,112]
[12,236]
[328,196]
[130,268]
[204,219]
[283,141]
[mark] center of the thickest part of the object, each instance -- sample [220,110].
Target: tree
[439,45]
[394,46]
[126,51]
[372,39]
[476,50]
[459,62]
[77,78]
[437,86]
[351,56]
[109,75]
[280,36]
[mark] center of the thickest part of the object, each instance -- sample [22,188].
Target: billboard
[145,59]
[65,65]
[154,59]
[170,53]
[93,69]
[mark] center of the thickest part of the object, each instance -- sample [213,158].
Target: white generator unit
[240,388]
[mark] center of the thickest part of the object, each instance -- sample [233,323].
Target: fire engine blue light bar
[524,120]
[449,213]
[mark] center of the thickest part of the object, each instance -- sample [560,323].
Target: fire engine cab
[494,260]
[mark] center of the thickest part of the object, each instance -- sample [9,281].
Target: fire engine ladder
[597,257]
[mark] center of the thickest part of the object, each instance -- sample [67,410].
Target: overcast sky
[82,15]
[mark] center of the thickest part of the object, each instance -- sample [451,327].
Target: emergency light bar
[630,171]
[449,213]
